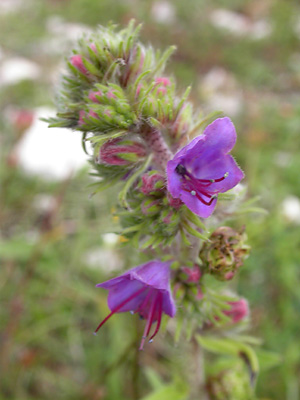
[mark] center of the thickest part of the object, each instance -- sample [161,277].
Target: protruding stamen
[149,322]
[214,180]
[160,300]
[193,193]
[120,306]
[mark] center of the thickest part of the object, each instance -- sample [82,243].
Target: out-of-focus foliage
[54,245]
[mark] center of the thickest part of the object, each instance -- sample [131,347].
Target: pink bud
[162,90]
[93,47]
[81,116]
[194,274]
[77,62]
[107,113]
[138,89]
[199,295]
[175,203]
[163,81]
[149,181]
[239,310]
[111,151]
[92,96]
[22,120]
[111,95]
[92,114]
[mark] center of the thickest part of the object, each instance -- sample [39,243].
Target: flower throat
[198,187]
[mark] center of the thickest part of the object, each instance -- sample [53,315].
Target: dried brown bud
[225,253]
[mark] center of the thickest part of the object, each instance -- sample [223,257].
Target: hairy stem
[161,152]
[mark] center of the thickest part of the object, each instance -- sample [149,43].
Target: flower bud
[92,96]
[162,83]
[231,383]
[193,274]
[121,152]
[22,120]
[239,310]
[225,253]
[77,62]
[152,182]
[175,203]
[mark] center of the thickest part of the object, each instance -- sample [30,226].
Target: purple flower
[145,290]
[203,168]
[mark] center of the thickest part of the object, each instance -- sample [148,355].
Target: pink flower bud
[162,84]
[81,116]
[194,274]
[111,95]
[93,47]
[111,152]
[22,120]
[92,96]
[92,114]
[77,62]
[149,181]
[175,203]
[163,81]
[138,89]
[239,310]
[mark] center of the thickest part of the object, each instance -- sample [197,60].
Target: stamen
[214,180]
[160,300]
[145,302]
[193,193]
[149,322]
[120,306]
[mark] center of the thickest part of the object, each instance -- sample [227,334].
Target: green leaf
[194,219]
[130,181]
[267,359]
[205,121]
[232,348]
[177,390]
[193,231]
[153,378]
[164,58]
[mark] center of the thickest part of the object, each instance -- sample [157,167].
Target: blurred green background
[240,56]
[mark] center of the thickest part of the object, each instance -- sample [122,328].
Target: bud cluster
[154,217]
